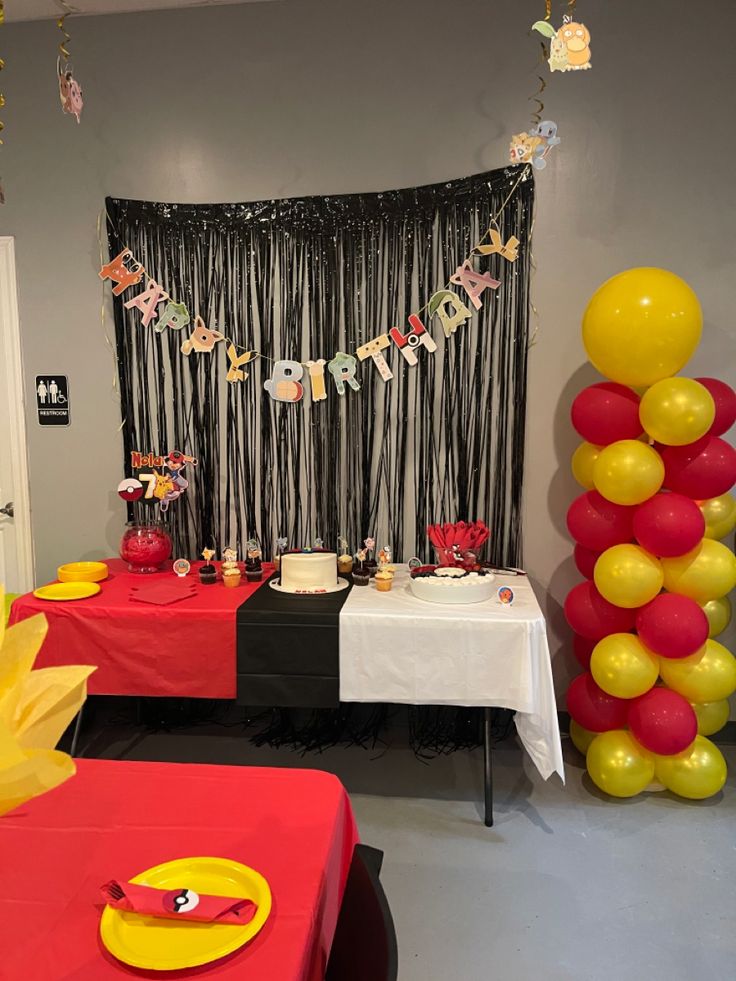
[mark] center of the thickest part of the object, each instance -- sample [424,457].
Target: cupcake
[345,563]
[361,574]
[208,574]
[253,567]
[231,577]
[384,581]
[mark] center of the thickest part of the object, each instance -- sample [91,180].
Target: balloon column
[657,478]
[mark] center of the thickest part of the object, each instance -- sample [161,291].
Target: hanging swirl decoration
[66,36]
[544,55]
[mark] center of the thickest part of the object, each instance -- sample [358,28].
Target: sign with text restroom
[52,400]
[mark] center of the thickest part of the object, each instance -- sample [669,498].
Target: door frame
[12,376]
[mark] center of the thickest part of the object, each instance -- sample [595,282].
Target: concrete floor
[568,885]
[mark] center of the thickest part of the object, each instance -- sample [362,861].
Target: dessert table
[182,649]
[267,648]
[115,819]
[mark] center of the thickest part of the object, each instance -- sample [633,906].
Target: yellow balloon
[706,676]
[677,411]
[622,666]
[583,460]
[697,773]
[618,765]
[641,326]
[628,472]
[628,576]
[711,716]
[705,573]
[581,738]
[718,612]
[720,516]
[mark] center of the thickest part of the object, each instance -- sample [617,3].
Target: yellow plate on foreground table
[159,944]
[60,592]
[82,572]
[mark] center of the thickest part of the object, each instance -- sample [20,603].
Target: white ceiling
[42,9]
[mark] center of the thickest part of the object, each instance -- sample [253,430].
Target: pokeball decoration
[130,489]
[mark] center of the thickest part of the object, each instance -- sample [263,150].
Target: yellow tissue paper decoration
[35,709]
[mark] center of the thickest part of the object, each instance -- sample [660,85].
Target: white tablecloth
[397,648]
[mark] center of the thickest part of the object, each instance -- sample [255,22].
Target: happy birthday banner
[159,310]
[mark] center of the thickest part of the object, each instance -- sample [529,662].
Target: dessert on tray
[452,584]
[308,573]
[459,577]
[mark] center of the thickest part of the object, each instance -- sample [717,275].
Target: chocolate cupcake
[208,574]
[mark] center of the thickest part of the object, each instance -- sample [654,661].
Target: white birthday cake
[308,573]
[448,584]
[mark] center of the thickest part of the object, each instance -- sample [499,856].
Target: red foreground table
[184,649]
[114,819]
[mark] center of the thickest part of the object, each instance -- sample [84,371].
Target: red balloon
[663,721]
[583,648]
[672,625]
[725,399]
[592,616]
[585,560]
[668,524]
[597,524]
[703,469]
[594,709]
[606,412]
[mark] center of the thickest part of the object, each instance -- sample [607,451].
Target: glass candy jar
[145,547]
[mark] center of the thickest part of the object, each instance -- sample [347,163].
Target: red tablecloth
[184,649]
[115,819]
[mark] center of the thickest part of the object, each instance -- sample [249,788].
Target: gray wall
[321,96]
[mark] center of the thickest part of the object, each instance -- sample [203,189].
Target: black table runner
[288,649]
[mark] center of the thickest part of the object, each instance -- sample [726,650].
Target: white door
[16,546]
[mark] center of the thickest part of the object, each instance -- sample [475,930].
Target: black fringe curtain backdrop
[301,279]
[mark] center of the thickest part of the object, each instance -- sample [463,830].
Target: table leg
[77,730]
[488,767]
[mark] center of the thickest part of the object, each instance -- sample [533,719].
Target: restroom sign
[52,400]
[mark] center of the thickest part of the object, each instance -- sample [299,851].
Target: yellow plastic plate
[82,572]
[158,944]
[61,592]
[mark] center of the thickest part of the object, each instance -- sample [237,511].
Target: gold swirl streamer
[63,44]
[548,8]
[535,97]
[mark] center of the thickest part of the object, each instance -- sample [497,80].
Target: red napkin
[177,904]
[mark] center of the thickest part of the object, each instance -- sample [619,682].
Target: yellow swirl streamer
[63,44]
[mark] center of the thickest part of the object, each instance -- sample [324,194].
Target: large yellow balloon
[618,764]
[641,326]
[677,411]
[622,666]
[628,576]
[718,612]
[705,573]
[581,737]
[583,461]
[706,676]
[697,773]
[711,716]
[628,472]
[720,516]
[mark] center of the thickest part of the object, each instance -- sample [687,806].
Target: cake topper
[181,567]
[506,595]
[208,554]
[230,555]
[318,543]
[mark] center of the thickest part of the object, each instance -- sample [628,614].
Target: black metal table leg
[488,767]
[77,730]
